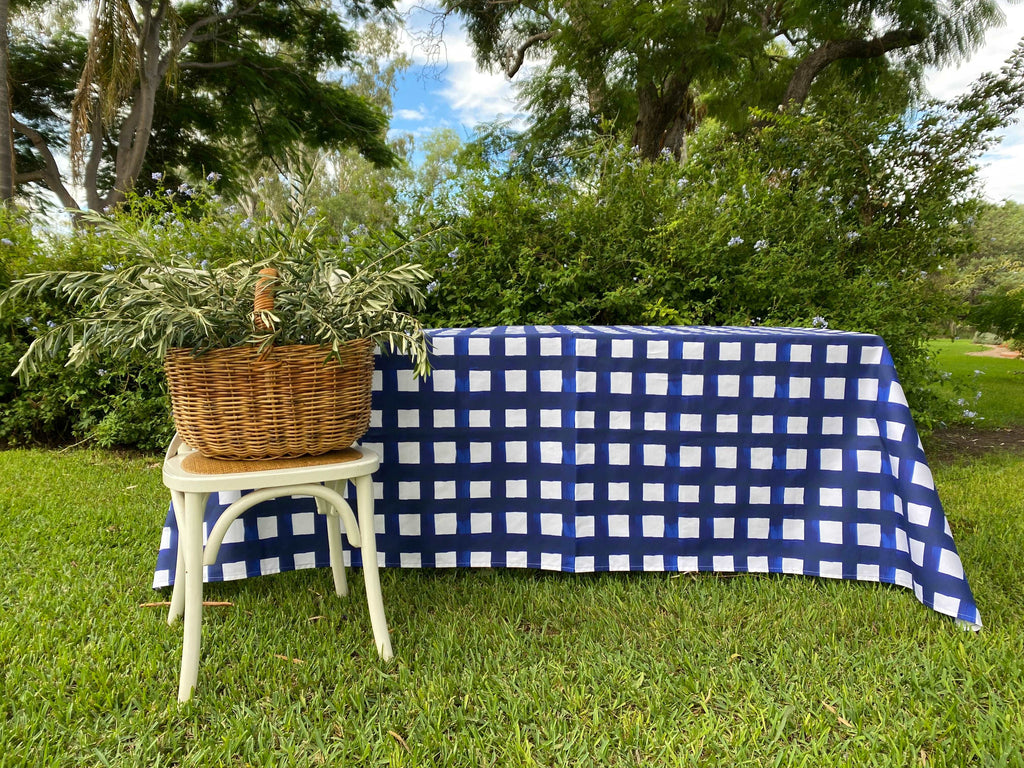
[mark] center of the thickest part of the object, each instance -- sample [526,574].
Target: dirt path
[995,350]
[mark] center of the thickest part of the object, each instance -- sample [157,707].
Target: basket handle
[263,300]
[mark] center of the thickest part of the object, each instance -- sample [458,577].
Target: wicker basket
[234,404]
[238,404]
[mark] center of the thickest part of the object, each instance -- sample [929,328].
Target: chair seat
[196,463]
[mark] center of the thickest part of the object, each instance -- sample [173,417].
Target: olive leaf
[155,305]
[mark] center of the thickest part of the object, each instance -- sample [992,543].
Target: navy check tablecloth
[579,449]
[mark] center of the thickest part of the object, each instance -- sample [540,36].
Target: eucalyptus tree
[655,67]
[199,85]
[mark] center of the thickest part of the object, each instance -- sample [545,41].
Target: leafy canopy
[653,69]
[188,88]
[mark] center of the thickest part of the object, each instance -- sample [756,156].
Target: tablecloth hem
[964,620]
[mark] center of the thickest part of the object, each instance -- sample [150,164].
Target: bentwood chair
[192,477]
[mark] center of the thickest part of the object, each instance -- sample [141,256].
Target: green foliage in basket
[327,292]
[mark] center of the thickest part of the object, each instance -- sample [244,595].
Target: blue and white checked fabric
[584,449]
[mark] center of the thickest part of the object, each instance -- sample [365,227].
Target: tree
[196,86]
[1000,231]
[6,136]
[655,66]
[990,281]
[352,191]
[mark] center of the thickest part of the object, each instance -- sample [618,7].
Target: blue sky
[450,91]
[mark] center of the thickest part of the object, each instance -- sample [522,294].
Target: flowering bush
[834,223]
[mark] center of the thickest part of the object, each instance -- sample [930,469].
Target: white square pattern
[591,449]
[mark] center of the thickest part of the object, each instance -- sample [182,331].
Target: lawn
[497,668]
[992,387]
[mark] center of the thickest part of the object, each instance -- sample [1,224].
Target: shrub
[113,402]
[843,221]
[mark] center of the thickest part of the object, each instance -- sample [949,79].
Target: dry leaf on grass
[401,741]
[842,720]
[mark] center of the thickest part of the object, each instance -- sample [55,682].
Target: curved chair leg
[368,547]
[334,542]
[191,541]
[178,592]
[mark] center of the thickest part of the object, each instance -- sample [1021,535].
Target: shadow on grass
[964,443]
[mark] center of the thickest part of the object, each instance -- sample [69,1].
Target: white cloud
[414,115]
[477,97]
[447,71]
[1003,168]
[999,43]
[421,131]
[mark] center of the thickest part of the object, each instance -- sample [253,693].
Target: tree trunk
[50,175]
[133,136]
[665,116]
[7,169]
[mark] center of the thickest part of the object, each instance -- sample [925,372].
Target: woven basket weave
[290,401]
[234,404]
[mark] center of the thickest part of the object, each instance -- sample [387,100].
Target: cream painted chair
[191,478]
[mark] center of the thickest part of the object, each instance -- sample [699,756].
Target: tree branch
[513,65]
[51,173]
[208,64]
[92,165]
[30,176]
[189,34]
[832,51]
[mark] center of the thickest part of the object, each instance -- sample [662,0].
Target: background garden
[683,163]
[855,205]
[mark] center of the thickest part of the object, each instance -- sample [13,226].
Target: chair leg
[191,542]
[178,592]
[334,542]
[368,547]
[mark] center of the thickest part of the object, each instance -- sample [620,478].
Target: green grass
[499,668]
[1000,382]
[493,667]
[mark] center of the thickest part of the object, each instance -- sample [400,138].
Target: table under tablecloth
[578,449]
